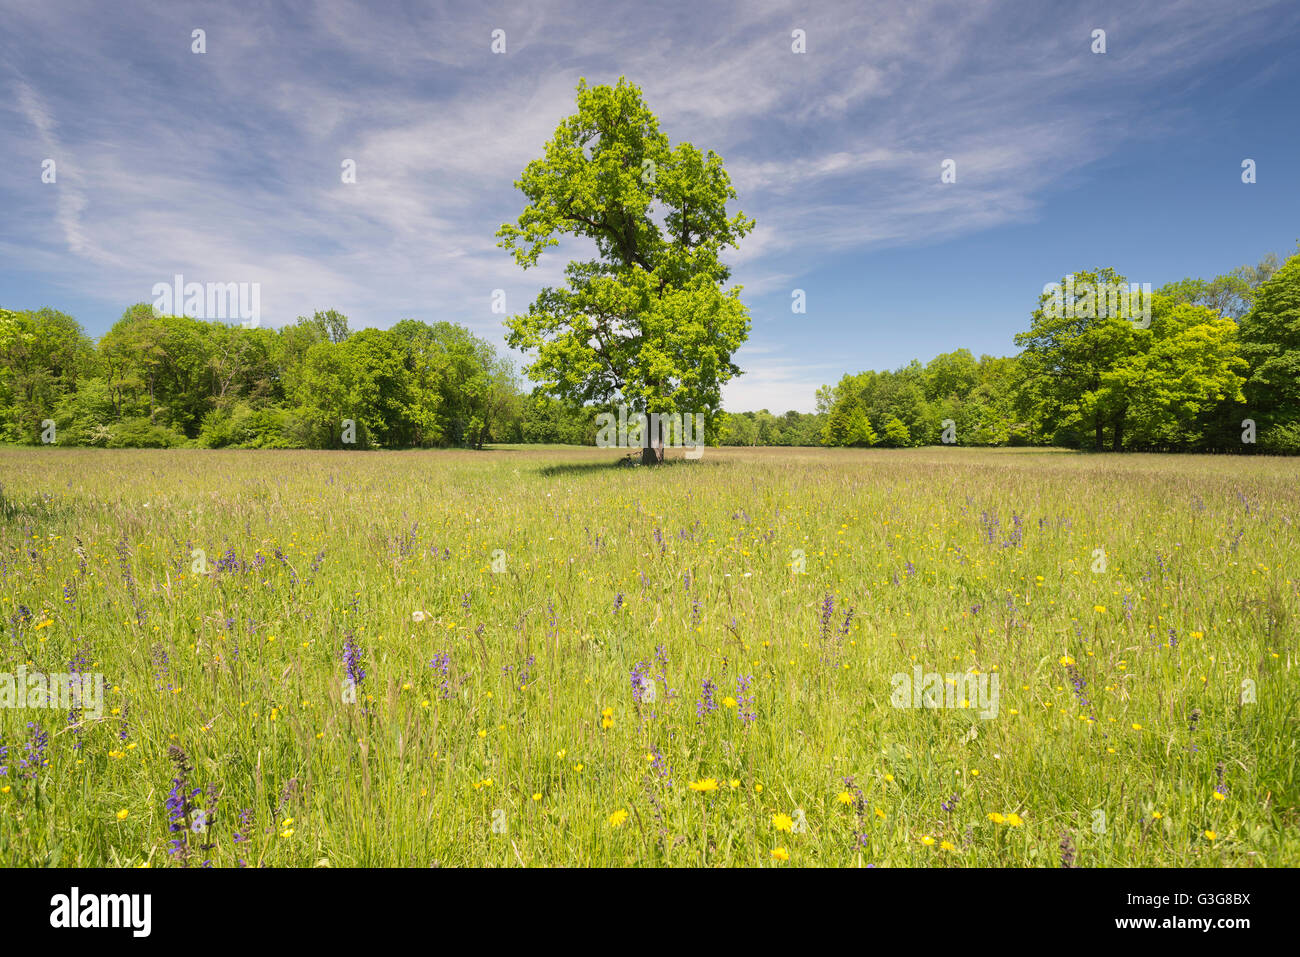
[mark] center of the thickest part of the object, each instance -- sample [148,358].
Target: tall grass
[1139,612]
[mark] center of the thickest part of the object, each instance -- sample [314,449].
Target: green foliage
[647,321]
[1270,342]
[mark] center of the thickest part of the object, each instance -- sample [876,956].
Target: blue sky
[225,166]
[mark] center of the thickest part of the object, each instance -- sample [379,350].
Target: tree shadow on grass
[627,463]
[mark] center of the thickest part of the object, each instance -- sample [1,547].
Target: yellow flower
[1067,660]
[996,818]
[121,815]
[1157,815]
[1213,836]
[782,822]
[607,723]
[1219,796]
[1014,820]
[845,797]
[927,840]
[287,832]
[537,795]
[617,818]
[561,753]
[607,713]
[1099,609]
[889,777]
[482,733]
[706,784]
[780,854]
[947,846]
[1137,727]
[288,822]
[734,783]
[578,766]
[879,813]
[728,702]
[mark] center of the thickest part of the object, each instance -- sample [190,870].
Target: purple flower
[353,662]
[745,698]
[706,704]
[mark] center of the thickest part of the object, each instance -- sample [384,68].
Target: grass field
[1139,612]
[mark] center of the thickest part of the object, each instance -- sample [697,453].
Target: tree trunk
[653,454]
[1100,438]
[1119,433]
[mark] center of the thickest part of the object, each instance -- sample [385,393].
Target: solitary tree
[647,322]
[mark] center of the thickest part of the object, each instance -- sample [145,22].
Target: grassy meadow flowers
[683,666]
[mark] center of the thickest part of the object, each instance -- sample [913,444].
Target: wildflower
[122,814]
[780,854]
[729,702]
[705,784]
[947,846]
[617,818]
[996,818]
[845,797]
[927,840]
[782,822]
[1212,835]
[1067,849]
[1014,820]
[1099,609]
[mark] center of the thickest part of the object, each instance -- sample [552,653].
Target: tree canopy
[645,322]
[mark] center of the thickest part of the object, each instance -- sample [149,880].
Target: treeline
[1214,365]
[1209,356]
[170,381]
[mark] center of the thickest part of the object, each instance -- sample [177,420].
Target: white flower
[417,616]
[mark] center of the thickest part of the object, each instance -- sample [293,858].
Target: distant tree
[647,321]
[1270,343]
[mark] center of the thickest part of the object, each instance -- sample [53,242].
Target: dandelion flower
[845,797]
[1212,835]
[1014,820]
[705,784]
[782,822]
[780,854]
[121,815]
[617,818]
[996,818]
[927,840]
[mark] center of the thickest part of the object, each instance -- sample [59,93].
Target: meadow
[534,656]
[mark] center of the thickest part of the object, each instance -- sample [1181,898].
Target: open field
[1146,715]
